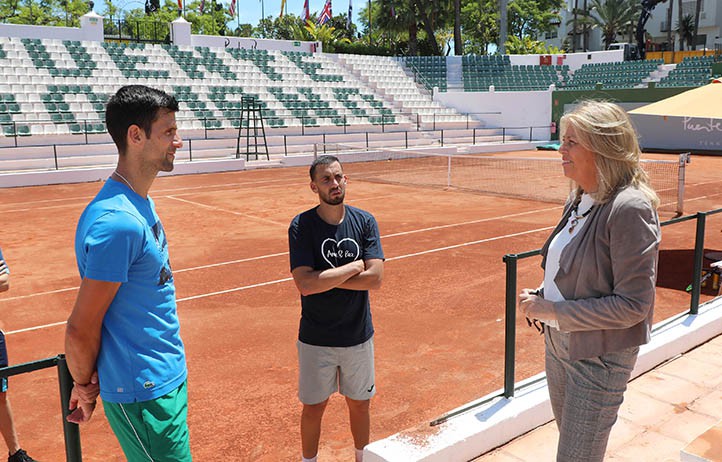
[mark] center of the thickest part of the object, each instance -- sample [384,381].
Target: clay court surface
[438,317]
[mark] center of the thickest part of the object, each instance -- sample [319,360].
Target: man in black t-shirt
[336,257]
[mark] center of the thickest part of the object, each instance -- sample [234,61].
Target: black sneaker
[21,456]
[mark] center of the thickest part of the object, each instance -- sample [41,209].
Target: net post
[683,161]
[510,325]
[448,171]
[697,266]
[71,431]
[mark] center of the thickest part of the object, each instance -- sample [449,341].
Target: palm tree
[458,42]
[680,15]
[685,29]
[670,45]
[697,9]
[610,16]
[327,35]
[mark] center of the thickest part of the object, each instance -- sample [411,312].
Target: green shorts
[155,430]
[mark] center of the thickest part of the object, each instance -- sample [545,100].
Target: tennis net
[535,178]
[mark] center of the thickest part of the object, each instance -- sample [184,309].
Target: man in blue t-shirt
[123,336]
[336,257]
[7,425]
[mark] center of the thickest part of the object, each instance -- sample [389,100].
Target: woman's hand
[533,306]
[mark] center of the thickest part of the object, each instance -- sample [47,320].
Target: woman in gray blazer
[600,269]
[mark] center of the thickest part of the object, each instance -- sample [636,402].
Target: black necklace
[575,217]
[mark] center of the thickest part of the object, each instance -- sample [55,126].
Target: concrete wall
[254,43]
[505,109]
[573,60]
[90,24]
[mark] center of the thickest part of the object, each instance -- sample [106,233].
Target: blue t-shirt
[120,239]
[337,317]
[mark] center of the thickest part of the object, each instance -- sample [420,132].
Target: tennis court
[438,317]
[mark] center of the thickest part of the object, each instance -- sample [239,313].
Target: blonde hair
[605,129]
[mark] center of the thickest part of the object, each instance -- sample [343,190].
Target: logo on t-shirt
[339,253]
[166,273]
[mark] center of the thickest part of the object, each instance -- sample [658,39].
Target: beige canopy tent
[690,121]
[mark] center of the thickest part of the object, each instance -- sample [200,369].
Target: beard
[333,200]
[167,164]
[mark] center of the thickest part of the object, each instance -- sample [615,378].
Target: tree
[680,16]
[611,16]
[327,35]
[480,23]
[685,29]
[697,10]
[278,28]
[533,17]
[670,43]
[458,42]
[527,45]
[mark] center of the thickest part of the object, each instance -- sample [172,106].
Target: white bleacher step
[707,447]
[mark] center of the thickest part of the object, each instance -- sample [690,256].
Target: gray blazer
[607,275]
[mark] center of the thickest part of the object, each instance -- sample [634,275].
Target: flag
[232,8]
[283,5]
[305,15]
[180,5]
[325,14]
[203,4]
[350,15]
[392,11]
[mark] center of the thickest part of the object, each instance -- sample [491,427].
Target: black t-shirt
[337,317]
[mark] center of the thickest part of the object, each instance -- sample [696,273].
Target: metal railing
[71,431]
[511,260]
[459,136]
[136,31]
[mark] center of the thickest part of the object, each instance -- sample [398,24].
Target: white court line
[278,281]
[159,194]
[36,294]
[236,289]
[702,197]
[480,241]
[28,329]
[232,262]
[480,220]
[280,254]
[219,209]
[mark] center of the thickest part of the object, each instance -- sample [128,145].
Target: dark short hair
[135,105]
[322,160]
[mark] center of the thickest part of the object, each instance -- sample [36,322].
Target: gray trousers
[585,396]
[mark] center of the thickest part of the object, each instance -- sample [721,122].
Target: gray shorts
[322,371]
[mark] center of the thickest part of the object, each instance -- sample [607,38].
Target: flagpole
[263,14]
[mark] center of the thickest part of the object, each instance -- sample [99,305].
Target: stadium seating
[481,72]
[624,74]
[61,87]
[431,68]
[390,76]
[691,72]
